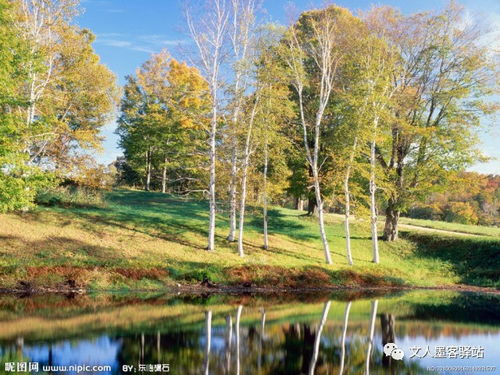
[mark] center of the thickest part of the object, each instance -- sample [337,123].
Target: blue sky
[128,31]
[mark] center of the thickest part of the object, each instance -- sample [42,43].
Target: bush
[425,212]
[71,196]
[460,212]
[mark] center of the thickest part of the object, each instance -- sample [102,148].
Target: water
[282,334]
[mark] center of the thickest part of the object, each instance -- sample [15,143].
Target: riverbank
[150,241]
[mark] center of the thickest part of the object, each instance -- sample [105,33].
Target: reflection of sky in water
[490,343]
[99,351]
[103,350]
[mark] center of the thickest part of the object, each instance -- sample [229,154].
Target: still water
[341,333]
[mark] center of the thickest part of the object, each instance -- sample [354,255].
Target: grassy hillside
[150,240]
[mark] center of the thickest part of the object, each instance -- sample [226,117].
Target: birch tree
[242,40]
[275,112]
[314,49]
[248,150]
[209,33]
[378,65]
[39,23]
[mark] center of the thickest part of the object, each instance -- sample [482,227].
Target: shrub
[71,196]
[460,212]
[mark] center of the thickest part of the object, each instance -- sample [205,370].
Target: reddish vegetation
[279,277]
[296,278]
[145,273]
[78,276]
[351,278]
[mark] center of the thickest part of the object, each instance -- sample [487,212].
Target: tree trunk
[264,208]
[300,204]
[164,177]
[371,333]
[348,204]
[321,220]
[232,195]
[391,221]
[317,339]
[244,180]
[242,207]
[311,206]
[373,204]
[148,170]
[211,189]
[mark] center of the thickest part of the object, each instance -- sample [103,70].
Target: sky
[129,31]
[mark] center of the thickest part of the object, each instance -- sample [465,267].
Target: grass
[142,240]
[453,227]
[71,196]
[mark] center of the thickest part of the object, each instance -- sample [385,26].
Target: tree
[162,120]
[70,95]
[209,37]
[375,66]
[443,78]
[313,51]
[242,45]
[248,150]
[18,182]
[275,111]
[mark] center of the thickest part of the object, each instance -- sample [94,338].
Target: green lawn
[151,240]
[453,227]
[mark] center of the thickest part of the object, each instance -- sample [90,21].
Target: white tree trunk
[148,169]
[232,195]
[317,339]
[344,333]
[211,188]
[246,160]
[164,177]
[371,332]
[264,203]
[348,204]
[373,205]
[208,340]
[321,220]
[209,35]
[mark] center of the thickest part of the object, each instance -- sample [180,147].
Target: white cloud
[147,43]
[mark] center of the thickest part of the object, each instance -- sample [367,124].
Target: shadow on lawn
[61,251]
[280,223]
[168,218]
[475,260]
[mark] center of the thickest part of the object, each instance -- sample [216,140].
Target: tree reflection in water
[248,336]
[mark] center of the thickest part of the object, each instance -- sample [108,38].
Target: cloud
[114,43]
[147,43]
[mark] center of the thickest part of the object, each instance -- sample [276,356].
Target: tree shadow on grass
[280,223]
[154,214]
[476,260]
